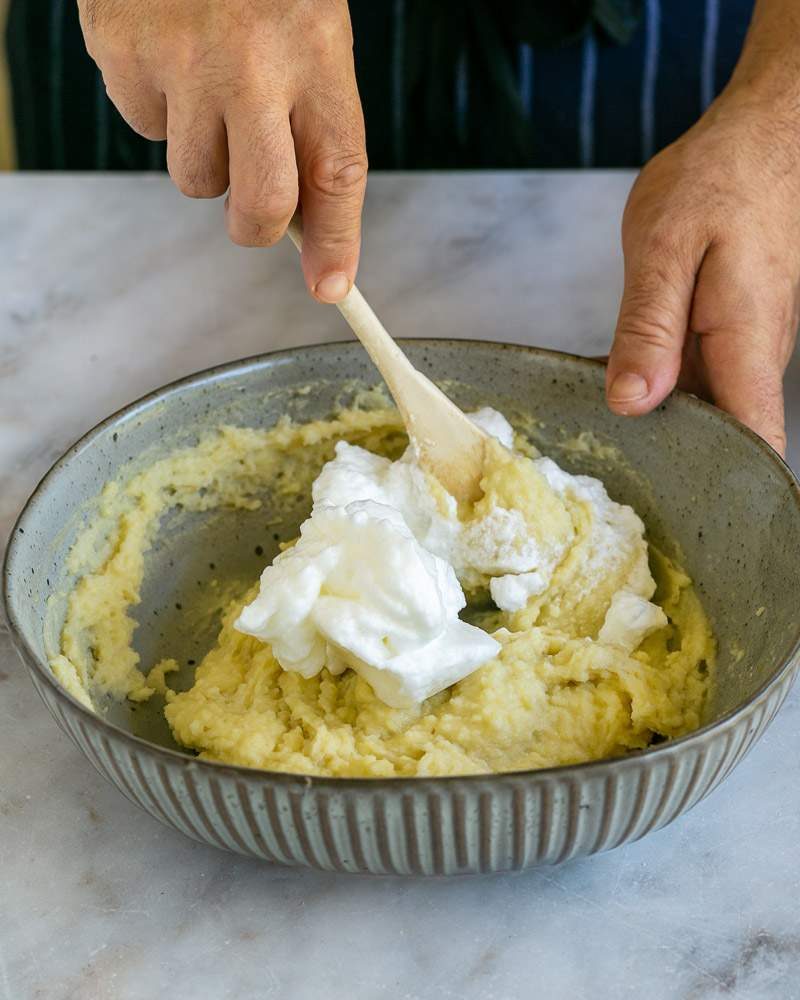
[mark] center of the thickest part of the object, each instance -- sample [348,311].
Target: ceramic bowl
[700,481]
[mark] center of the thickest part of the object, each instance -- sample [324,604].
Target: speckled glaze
[699,480]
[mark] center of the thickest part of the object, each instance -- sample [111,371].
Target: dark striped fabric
[542,83]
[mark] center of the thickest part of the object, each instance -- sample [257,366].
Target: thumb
[744,344]
[653,318]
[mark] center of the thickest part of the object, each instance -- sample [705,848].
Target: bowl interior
[707,491]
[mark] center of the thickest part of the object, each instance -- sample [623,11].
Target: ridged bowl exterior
[476,824]
[447,826]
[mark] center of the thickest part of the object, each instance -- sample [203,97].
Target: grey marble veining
[111,286]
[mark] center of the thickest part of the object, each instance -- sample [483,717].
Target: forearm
[769,66]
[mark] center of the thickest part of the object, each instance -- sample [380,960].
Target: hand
[711,238]
[256,95]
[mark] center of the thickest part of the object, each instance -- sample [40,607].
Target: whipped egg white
[358,590]
[376,580]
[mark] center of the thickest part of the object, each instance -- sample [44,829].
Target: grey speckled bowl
[696,477]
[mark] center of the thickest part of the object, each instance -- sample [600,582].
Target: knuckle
[746,309]
[664,240]
[112,64]
[327,33]
[198,185]
[189,58]
[211,188]
[334,244]
[194,172]
[246,233]
[140,118]
[260,221]
[267,209]
[338,174]
[115,53]
[658,239]
[238,233]
[647,322]
[242,232]
[153,132]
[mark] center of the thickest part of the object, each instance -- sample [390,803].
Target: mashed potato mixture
[401,635]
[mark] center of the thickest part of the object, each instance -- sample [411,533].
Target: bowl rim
[660,752]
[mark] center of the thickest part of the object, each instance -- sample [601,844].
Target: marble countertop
[110,286]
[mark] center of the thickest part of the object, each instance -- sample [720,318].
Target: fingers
[137,97]
[645,358]
[746,385]
[197,148]
[239,80]
[142,106]
[692,377]
[263,177]
[332,168]
[745,327]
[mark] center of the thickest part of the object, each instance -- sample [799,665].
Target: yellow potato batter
[553,695]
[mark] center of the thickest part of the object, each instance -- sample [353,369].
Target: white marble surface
[111,286]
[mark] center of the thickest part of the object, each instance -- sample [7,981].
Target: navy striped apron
[464,95]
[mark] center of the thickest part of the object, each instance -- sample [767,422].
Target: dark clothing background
[476,83]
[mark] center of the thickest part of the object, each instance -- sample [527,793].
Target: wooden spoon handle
[388,357]
[390,361]
[448,444]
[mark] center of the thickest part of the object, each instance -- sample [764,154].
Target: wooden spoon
[447,443]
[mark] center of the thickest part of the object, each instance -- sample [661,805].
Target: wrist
[767,75]
[764,107]
[768,93]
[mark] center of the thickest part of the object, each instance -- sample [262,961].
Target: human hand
[258,96]
[711,238]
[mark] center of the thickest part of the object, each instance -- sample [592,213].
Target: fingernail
[627,387]
[333,287]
